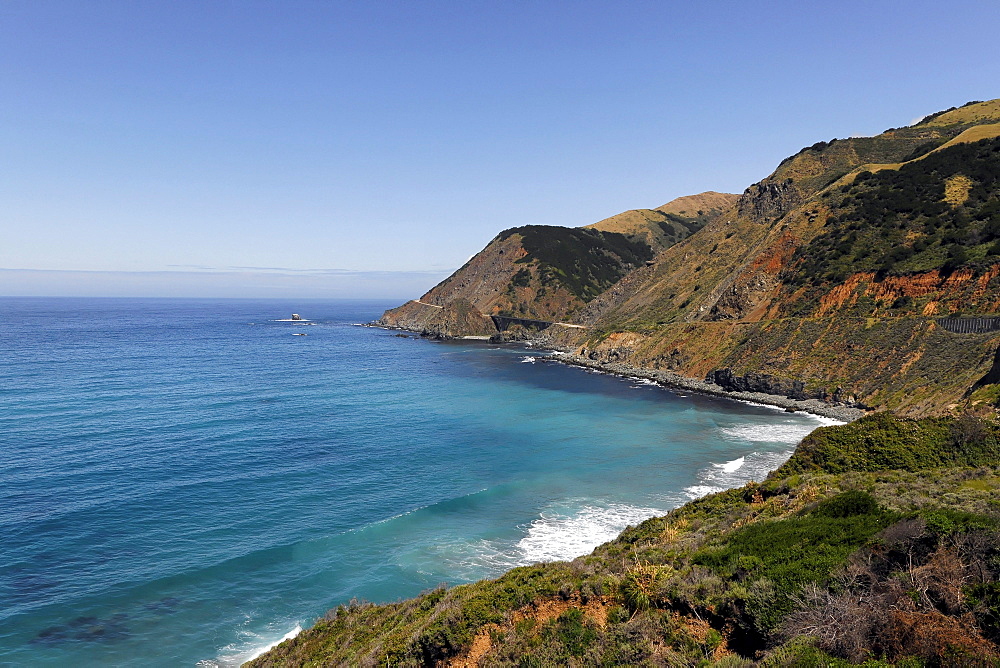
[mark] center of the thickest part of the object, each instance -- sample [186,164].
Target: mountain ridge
[878,542]
[758,259]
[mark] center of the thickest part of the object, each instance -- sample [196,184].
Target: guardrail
[970,325]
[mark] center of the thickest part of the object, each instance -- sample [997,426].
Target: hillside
[665,225]
[863,272]
[537,271]
[550,273]
[832,274]
[877,540]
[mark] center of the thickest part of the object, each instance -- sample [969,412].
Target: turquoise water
[184,482]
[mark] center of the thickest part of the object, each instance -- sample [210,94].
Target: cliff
[550,273]
[829,276]
[824,280]
[862,271]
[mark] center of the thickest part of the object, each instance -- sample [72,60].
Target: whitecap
[238,654]
[528,359]
[559,536]
[734,465]
[737,472]
[698,491]
[768,433]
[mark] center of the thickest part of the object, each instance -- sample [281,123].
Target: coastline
[669,379]
[677,381]
[555,355]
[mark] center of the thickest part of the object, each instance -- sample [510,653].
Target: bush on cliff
[883,441]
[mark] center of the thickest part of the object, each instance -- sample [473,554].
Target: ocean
[186,482]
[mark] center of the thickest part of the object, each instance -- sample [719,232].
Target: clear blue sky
[237,148]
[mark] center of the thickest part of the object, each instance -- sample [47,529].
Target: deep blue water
[187,481]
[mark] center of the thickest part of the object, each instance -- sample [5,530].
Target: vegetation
[833,561]
[883,441]
[678,227]
[584,261]
[774,559]
[940,212]
[839,156]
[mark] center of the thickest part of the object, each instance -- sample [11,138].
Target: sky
[240,148]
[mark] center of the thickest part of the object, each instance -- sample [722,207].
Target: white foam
[528,359]
[288,636]
[698,491]
[768,433]
[233,655]
[736,473]
[734,465]
[557,537]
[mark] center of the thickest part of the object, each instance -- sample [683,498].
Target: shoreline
[676,381]
[669,379]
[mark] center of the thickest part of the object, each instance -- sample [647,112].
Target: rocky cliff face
[535,272]
[457,319]
[822,280]
[766,202]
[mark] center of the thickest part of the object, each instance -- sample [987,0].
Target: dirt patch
[596,609]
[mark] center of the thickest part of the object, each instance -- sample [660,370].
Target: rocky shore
[675,380]
[560,355]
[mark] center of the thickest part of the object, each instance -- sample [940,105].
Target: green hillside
[840,278]
[941,212]
[819,565]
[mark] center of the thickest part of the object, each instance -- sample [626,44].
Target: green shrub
[574,633]
[848,504]
[776,558]
[883,442]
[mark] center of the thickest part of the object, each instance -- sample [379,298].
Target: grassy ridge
[883,441]
[741,577]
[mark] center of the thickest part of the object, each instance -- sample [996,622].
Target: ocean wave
[254,645]
[736,472]
[768,433]
[528,359]
[698,491]
[556,535]
[734,465]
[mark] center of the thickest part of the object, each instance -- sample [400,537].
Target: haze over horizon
[311,149]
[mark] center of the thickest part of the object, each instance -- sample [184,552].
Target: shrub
[776,558]
[883,441]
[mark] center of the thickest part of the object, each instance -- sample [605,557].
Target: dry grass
[974,113]
[956,189]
